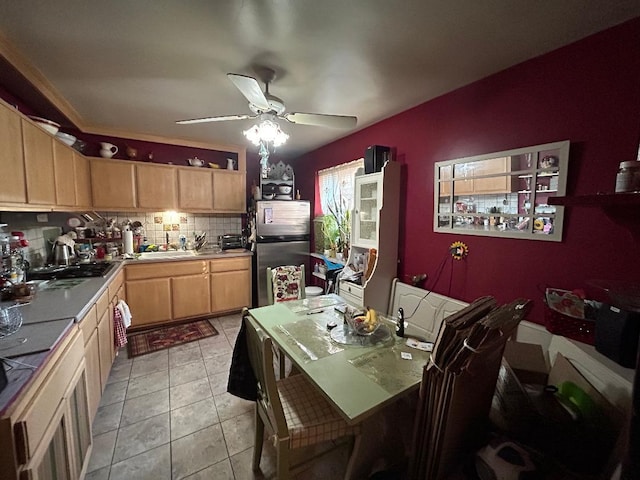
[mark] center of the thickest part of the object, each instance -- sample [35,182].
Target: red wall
[588,93]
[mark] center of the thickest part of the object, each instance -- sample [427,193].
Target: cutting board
[34,338]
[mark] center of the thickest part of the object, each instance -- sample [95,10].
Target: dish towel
[121,321]
[125,312]
[286,282]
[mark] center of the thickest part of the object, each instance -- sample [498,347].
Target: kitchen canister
[628,177]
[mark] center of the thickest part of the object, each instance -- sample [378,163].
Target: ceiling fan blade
[222,118]
[250,88]
[320,120]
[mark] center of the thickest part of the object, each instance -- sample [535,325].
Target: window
[503,194]
[336,201]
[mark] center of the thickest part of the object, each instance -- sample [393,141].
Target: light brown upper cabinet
[229,191]
[195,189]
[11,157]
[64,175]
[83,180]
[38,162]
[112,184]
[156,186]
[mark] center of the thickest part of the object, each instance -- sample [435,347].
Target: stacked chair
[458,384]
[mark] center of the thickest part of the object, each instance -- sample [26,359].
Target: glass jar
[628,177]
[5,248]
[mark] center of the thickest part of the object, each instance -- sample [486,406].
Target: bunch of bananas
[368,322]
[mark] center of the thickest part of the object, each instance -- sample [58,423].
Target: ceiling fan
[266,105]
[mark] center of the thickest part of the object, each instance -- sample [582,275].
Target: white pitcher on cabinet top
[107,150]
[231,164]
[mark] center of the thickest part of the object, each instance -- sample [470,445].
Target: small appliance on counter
[231,241]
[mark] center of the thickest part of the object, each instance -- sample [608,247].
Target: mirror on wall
[503,194]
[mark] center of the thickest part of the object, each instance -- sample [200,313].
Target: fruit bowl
[363,323]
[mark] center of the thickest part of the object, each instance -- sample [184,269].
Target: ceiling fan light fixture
[268,132]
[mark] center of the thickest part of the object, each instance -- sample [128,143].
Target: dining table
[358,374]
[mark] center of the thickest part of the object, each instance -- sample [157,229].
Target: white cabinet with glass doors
[367,204]
[374,242]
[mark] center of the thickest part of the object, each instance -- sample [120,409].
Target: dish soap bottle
[144,245]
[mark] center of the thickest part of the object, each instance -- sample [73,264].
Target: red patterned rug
[165,337]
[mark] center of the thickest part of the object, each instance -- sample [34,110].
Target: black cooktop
[81,270]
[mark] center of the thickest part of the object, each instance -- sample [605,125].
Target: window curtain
[336,187]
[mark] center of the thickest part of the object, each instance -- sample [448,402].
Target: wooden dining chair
[285,283]
[293,410]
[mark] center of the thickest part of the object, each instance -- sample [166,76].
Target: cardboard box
[528,362]
[567,437]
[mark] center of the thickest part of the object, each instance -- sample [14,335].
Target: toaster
[229,241]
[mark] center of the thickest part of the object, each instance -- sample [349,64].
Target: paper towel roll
[128,241]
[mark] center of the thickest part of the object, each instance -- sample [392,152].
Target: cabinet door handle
[22,442]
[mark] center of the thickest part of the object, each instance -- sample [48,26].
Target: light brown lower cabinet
[89,328]
[92,366]
[54,461]
[190,296]
[105,335]
[46,434]
[99,350]
[230,283]
[149,300]
[64,452]
[166,291]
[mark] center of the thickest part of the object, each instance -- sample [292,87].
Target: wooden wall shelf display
[599,200]
[622,208]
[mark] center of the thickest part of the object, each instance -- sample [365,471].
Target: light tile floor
[167,415]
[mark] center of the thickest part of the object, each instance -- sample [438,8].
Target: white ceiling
[139,65]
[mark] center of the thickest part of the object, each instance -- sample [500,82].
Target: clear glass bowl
[357,323]
[10,320]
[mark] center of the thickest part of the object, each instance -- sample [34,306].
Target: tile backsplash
[156,226]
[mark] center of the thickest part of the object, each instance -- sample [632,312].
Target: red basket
[578,329]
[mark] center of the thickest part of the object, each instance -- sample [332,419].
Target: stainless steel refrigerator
[281,238]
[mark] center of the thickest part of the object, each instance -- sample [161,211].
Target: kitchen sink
[167,254]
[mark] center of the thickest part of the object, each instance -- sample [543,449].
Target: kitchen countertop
[52,313]
[204,254]
[56,304]
[73,303]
